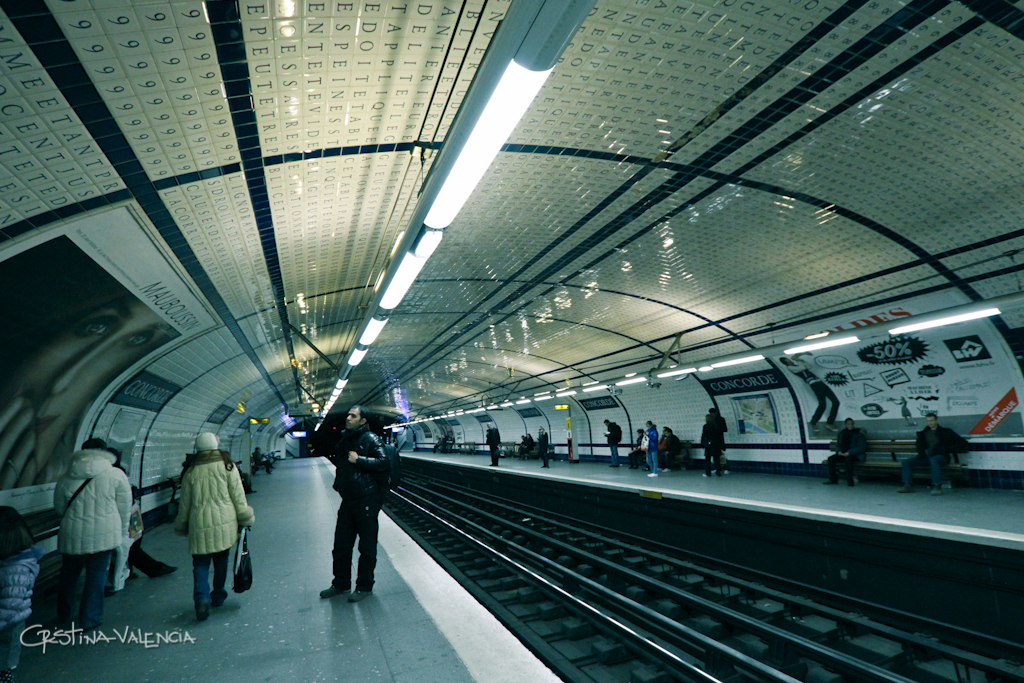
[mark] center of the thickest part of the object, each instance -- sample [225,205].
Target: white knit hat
[207,442]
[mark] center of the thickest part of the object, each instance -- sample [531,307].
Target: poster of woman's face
[69,330]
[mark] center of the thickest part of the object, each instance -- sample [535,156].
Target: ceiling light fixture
[821,345]
[357,356]
[373,329]
[634,380]
[953,319]
[510,100]
[543,398]
[676,372]
[737,361]
[597,387]
[565,393]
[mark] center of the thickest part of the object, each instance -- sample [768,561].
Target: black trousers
[833,466]
[141,560]
[356,517]
[494,456]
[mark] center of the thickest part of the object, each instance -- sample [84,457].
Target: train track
[600,607]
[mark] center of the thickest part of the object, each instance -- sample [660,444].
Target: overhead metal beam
[310,344]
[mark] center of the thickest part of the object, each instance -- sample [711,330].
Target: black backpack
[394,475]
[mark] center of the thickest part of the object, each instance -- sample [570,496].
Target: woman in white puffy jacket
[212,509]
[93,499]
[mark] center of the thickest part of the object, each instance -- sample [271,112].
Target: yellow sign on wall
[561,407]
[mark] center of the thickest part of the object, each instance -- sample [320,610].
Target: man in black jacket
[614,435]
[362,465]
[934,446]
[494,441]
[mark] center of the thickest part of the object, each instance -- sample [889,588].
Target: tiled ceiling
[717,169]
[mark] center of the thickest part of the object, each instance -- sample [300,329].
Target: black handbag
[243,563]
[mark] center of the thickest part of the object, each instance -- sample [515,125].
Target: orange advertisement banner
[992,419]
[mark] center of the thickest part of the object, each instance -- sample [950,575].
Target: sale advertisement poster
[888,382]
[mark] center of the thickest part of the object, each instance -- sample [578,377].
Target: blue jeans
[615,454]
[201,576]
[90,610]
[652,460]
[936,460]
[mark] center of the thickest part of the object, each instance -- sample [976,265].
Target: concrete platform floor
[418,627]
[986,516]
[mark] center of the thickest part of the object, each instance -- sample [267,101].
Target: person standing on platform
[212,509]
[93,500]
[542,445]
[19,567]
[851,448]
[652,449]
[934,446]
[494,441]
[713,441]
[614,435]
[361,480]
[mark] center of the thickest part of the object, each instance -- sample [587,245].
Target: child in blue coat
[19,567]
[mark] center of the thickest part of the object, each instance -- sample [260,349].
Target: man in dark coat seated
[934,446]
[851,448]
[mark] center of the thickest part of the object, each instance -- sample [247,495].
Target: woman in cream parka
[211,510]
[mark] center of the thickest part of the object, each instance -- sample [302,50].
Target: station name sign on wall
[598,403]
[740,384]
[146,391]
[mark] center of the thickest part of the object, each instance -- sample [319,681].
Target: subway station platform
[983,516]
[419,625]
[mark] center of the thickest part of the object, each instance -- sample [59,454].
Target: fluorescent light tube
[341,384]
[822,345]
[507,404]
[428,243]
[914,327]
[510,100]
[400,284]
[706,368]
[565,393]
[494,407]
[677,372]
[543,398]
[525,400]
[357,356]
[737,361]
[594,388]
[634,380]
[372,330]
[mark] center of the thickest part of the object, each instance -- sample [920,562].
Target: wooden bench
[881,460]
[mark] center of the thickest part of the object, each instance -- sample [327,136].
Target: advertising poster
[83,303]
[888,383]
[755,414]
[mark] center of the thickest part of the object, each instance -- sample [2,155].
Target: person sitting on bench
[934,446]
[851,448]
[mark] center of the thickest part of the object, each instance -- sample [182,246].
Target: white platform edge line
[984,537]
[489,651]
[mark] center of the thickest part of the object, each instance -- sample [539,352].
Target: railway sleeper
[940,671]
